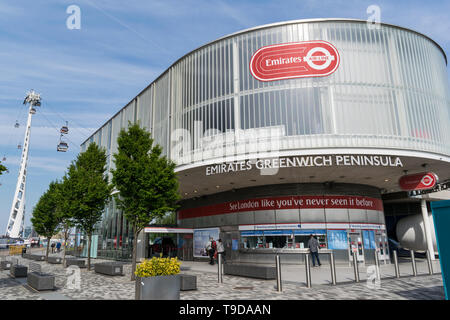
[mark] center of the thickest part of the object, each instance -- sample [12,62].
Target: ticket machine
[381,242]
[356,245]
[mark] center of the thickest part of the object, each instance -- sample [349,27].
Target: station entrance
[169,242]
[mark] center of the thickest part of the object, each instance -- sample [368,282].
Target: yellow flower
[158,267]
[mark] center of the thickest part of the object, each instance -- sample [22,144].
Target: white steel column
[16,216]
[427,227]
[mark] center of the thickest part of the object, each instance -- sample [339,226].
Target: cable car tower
[17,213]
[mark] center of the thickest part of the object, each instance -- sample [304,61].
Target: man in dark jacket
[313,246]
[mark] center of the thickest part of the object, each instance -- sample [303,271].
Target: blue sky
[85,76]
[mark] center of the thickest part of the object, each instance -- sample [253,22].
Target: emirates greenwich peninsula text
[306,161]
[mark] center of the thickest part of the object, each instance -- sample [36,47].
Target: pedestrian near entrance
[53,247]
[313,246]
[58,247]
[221,250]
[211,248]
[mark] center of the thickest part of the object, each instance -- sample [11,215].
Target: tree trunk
[48,247]
[133,264]
[89,251]
[66,231]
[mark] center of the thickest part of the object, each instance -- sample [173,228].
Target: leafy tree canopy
[146,181]
[87,189]
[45,218]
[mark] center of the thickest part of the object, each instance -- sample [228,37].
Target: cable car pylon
[16,216]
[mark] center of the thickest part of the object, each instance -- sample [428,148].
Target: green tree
[89,190]
[2,168]
[146,181]
[66,209]
[45,218]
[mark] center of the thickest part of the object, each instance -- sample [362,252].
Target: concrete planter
[158,288]
[18,271]
[5,265]
[54,260]
[75,262]
[109,268]
[37,257]
[41,281]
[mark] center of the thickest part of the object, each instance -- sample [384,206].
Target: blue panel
[441,216]
[234,244]
[251,233]
[369,239]
[310,231]
[366,239]
[277,232]
[373,245]
[337,239]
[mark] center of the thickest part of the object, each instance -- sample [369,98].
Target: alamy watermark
[373,277]
[74,278]
[74,20]
[374,19]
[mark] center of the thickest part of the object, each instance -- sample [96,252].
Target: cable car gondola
[17,124]
[32,110]
[64,129]
[62,145]
[19,146]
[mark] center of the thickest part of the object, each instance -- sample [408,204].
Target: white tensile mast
[17,213]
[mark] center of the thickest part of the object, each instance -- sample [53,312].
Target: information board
[201,238]
[337,239]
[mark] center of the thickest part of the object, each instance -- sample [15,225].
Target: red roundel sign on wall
[418,181]
[294,60]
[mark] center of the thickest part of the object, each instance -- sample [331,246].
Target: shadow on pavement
[430,293]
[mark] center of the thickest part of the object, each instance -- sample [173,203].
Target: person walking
[53,247]
[58,247]
[220,250]
[313,246]
[211,248]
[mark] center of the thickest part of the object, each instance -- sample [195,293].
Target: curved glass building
[291,129]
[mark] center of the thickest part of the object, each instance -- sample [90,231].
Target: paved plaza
[94,286]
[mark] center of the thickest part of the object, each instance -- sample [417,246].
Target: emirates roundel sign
[419,181]
[294,60]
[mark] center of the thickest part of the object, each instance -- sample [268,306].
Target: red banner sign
[418,181]
[294,60]
[282,203]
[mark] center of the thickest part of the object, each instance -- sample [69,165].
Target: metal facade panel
[312,215]
[291,215]
[264,216]
[357,215]
[336,215]
[246,217]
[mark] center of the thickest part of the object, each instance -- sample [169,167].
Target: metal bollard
[333,269]
[278,268]
[308,271]
[413,262]
[377,265]
[430,266]
[355,267]
[219,268]
[397,269]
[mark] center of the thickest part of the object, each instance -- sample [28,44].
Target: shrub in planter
[158,279]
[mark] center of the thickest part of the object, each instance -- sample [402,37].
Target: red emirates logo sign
[294,60]
[419,181]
